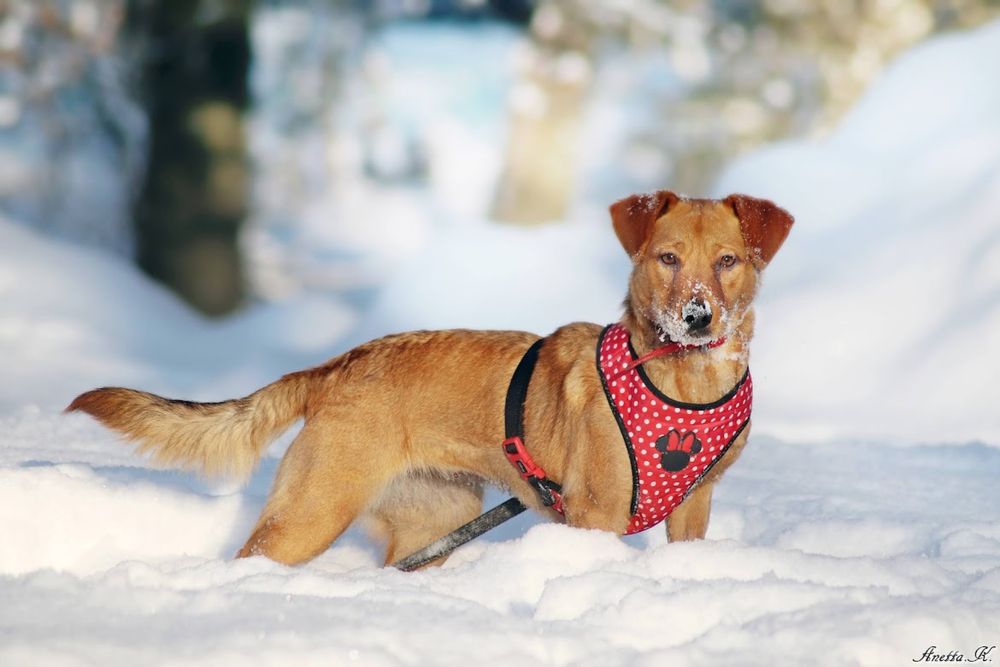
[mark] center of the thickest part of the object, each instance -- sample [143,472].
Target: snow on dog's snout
[696,310]
[688,322]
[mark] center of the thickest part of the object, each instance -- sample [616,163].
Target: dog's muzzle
[697,314]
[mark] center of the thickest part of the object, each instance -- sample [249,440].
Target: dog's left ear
[633,217]
[764,224]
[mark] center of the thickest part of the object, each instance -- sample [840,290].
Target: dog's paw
[677,450]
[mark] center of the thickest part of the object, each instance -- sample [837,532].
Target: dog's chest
[671,444]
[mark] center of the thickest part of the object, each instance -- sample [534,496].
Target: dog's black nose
[697,314]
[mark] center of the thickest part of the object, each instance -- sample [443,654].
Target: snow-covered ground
[861,526]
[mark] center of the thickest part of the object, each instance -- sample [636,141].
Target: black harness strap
[517,391]
[513,445]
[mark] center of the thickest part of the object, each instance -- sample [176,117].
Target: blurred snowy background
[197,196]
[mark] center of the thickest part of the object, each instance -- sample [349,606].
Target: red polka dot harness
[671,445]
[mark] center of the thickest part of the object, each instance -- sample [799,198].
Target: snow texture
[856,528]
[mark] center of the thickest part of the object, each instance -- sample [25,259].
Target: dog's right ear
[633,217]
[764,225]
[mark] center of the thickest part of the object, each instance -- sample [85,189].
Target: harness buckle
[514,450]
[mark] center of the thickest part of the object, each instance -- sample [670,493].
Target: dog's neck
[699,375]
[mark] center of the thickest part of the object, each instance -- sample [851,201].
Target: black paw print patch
[677,450]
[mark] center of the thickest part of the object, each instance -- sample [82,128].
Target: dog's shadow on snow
[124,475]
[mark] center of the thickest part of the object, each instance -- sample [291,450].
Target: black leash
[513,445]
[470,531]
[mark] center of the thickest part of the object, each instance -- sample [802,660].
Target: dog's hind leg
[327,478]
[418,508]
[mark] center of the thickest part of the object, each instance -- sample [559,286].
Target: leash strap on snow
[513,447]
[453,540]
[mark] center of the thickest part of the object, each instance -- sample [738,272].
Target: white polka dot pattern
[672,444]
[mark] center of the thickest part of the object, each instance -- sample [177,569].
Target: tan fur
[224,438]
[420,507]
[404,430]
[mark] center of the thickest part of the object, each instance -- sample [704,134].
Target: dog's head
[696,262]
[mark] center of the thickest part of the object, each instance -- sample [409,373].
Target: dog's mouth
[699,339]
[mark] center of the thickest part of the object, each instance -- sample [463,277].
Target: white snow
[870,540]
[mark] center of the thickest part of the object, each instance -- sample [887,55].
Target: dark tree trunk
[194,197]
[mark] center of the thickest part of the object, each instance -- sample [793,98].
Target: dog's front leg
[690,520]
[596,502]
[582,512]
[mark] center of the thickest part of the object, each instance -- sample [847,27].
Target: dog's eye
[727,260]
[668,258]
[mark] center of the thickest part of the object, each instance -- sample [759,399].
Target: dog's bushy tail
[214,439]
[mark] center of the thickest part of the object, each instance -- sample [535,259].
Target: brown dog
[405,430]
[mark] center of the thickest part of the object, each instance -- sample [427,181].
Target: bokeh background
[207,139]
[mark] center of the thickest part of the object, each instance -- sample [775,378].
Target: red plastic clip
[513,449]
[518,456]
